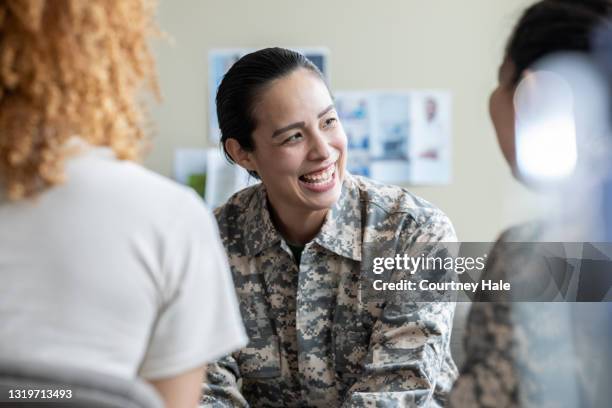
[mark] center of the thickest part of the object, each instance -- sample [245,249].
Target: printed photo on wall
[354,111]
[220,61]
[390,145]
[398,136]
[430,146]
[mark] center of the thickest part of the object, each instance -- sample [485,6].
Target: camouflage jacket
[490,376]
[531,354]
[315,341]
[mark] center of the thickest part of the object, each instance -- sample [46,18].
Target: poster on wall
[354,111]
[389,148]
[398,136]
[430,147]
[220,61]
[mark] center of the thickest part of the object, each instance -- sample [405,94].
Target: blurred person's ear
[501,111]
[242,157]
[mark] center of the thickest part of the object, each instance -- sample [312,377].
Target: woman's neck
[297,227]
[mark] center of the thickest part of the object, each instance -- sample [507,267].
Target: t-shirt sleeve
[199,320]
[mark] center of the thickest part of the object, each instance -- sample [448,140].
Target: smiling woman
[300,245]
[301,150]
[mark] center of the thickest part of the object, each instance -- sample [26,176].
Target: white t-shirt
[118,270]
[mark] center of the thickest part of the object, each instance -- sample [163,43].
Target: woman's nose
[319,149]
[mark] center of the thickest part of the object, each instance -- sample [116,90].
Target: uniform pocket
[408,346]
[260,358]
[351,349]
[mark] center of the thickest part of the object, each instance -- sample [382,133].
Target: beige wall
[455,45]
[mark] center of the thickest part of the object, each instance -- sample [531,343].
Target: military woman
[299,244]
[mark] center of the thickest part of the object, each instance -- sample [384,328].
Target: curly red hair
[70,67]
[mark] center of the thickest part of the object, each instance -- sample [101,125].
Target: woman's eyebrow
[300,124]
[330,107]
[286,128]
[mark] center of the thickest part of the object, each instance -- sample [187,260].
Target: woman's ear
[242,157]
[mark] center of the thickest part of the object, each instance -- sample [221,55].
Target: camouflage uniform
[489,376]
[314,340]
[527,354]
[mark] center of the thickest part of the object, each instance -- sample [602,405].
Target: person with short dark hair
[528,354]
[301,244]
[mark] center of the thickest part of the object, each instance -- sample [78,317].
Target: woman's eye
[293,138]
[329,122]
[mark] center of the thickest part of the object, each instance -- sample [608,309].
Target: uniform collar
[258,223]
[340,233]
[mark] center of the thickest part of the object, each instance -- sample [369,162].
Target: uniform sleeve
[199,320]
[409,361]
[515,353]
[488,378]
[220,388]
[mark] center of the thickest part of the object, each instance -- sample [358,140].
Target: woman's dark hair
[244,82]
[551,26]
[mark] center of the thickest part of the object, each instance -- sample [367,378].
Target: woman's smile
[320,181]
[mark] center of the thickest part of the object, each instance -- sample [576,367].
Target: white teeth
[320,178]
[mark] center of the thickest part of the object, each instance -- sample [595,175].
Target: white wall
[456,45]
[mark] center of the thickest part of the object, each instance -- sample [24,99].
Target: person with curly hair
[102,262]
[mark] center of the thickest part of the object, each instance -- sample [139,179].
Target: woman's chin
[323,201]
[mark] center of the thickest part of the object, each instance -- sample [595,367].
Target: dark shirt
[296,250]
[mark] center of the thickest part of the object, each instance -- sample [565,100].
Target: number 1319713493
[29,394]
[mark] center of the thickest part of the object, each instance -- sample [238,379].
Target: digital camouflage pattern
[524,354]
[315,339]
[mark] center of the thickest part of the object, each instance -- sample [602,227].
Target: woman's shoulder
[236,210]
[240,201]
[396,201]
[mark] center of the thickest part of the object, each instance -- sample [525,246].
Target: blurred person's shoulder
[399,204]
[531,231]
[518,254]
